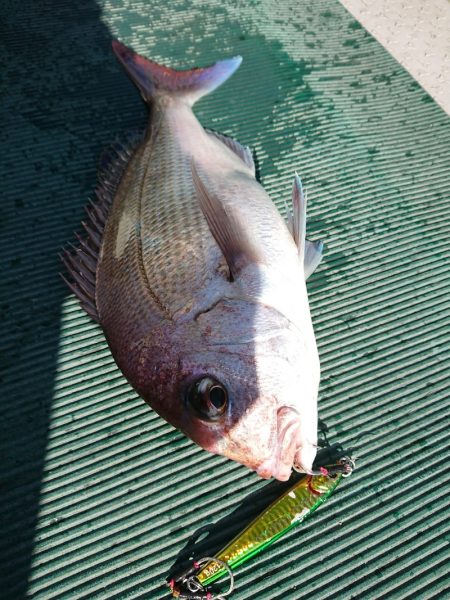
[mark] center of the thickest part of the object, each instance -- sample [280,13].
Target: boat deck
[101,497]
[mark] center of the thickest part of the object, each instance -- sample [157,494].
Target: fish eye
[208,397]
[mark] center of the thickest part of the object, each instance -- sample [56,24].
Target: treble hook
[187,586]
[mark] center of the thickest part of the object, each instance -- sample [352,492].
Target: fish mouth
[289,450]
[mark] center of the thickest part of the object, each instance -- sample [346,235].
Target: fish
[199,283]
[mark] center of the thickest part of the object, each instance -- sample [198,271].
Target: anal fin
[244,152]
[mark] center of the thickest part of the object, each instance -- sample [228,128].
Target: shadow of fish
[198,283]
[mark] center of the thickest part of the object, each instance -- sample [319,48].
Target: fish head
[246,389]
[256,423]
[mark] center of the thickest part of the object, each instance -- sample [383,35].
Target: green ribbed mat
[99,495]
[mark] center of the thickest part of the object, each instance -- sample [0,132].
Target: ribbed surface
[100,496]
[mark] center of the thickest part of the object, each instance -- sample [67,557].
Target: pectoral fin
[228,227]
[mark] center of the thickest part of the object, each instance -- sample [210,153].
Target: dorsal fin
[243,152]
[152,78]
[81,261]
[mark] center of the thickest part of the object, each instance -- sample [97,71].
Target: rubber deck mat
[100,497]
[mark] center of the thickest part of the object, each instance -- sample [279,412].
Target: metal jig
[295,505]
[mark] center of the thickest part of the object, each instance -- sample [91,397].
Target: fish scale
[127,318]
[176,238]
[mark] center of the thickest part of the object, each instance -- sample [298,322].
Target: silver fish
[199,284]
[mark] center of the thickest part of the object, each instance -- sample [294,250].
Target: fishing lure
[289,510]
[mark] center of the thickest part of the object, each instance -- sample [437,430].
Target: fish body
[199,284]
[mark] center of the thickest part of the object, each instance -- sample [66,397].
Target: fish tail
[153,79]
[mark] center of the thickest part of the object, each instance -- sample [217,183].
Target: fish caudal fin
[153,79]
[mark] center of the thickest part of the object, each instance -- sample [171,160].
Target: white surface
[417,34]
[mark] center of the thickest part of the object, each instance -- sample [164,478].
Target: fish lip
[304,458]
[281,459]
[270,468]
